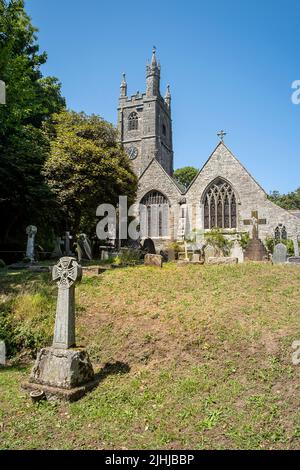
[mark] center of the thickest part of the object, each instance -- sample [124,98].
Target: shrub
[216,238]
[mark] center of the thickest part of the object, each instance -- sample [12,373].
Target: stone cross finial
[67,272]
[221,135]
[255,222]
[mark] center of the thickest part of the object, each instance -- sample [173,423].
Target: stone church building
[223,194]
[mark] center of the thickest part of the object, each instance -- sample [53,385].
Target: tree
[86,167]
[24,147]
[185,175]
[287,201]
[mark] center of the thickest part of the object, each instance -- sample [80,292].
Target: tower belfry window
[133,121]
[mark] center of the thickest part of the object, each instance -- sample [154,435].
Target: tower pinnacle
[123,86]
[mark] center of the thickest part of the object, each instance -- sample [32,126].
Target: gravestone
[2,92]
[209,252]
[171,254]
[294,260]
[148,246]
[296,246]
[84,249]
[2,353]
[57,253]
[237,252]
[279,254]
[68,237]
[222,260]
[153,260]
[31,231]
[63,371]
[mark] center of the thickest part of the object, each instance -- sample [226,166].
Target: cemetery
[142,306]
[124,349]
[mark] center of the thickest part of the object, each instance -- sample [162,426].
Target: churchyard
[193,356]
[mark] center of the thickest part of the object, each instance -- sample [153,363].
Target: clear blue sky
[230,64]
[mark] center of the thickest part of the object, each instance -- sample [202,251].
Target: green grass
[195,357]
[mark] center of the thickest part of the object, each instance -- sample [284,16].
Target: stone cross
[221,135]
[255,222]
[31,232]
[2,353]
[67,272]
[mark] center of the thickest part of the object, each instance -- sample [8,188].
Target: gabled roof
[221,144]
[154,160]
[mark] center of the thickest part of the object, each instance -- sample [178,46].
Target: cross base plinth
[65,374]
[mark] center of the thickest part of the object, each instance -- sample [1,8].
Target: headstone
[209,252]
[222,260]
[2,92]
[57,253]
[31,231]
[195,258]
[148,246]
[294,260]
[2,353]
[84,249]
[153,260]
[171,254]
[296,246]
[68,237]
[63,371]
[237,252]
[279,254]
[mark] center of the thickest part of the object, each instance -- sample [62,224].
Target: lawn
[193,357]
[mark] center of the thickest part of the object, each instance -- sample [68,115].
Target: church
[223,194]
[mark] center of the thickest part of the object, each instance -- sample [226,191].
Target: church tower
[144,122]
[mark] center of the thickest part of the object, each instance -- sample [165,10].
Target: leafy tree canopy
[185,175]
[31,99]
[287,201]
[87,167]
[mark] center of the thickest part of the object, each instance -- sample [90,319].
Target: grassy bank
[190,357]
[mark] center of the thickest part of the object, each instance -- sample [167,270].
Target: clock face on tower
[132,152]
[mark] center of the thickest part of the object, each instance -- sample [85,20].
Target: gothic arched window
[220,205]
[280,233]
[133,121]
[154,215]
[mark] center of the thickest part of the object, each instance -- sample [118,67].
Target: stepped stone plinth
[255,250]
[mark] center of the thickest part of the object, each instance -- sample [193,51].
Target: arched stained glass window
[220,205]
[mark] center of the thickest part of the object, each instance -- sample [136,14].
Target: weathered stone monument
[153,260]
[279,254]
[237,252]
[2,92]
[68,251]
[209,252]
[31,231]
[63,371]
[57,253]
[255,250]
[84,249]
[2,353]
[296,247]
